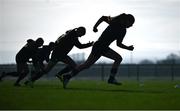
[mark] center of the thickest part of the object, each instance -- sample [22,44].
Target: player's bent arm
[82,46]
[103,18]
[125,47]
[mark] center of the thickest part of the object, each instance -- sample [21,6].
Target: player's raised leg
[117,60]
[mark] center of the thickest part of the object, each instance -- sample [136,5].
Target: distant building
[78,57]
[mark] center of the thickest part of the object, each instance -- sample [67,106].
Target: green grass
[91,95]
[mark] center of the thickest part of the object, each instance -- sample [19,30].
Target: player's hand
[131,47]
[95,29]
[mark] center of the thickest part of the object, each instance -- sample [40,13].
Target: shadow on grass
[116,90]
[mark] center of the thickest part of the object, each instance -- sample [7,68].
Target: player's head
[39,42]
[51,45]
[129,20]
[80,31]
[125,20]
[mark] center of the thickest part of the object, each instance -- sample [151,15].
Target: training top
[115,31]
[42,54]
[66,42]
[27,52]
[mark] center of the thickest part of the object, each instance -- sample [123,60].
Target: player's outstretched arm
[103,18]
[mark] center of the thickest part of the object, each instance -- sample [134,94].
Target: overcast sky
[155,34]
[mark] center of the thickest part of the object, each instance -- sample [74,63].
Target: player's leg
[13,74]
[66,69]
[40,73]
[91,60]
[2,76]
[22,69]
[70,65]
[117,60]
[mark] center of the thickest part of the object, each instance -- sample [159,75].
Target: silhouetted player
[23,56]
[64,45]
[40,56]
[115,31]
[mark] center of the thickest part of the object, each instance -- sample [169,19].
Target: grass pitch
[88,95]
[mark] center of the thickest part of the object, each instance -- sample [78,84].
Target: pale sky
[155,34]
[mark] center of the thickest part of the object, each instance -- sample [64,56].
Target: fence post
[128,67]
[138,68]
[155,70]
[172,72]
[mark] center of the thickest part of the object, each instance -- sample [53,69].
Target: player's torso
[110,34]
[64,44]
[27,52]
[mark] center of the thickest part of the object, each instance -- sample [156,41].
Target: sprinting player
[23,56]
[42,55]
[115,31]
[64,45]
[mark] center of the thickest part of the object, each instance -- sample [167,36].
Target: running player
[115,31]
[23,56]
[64,45]
[42,55]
